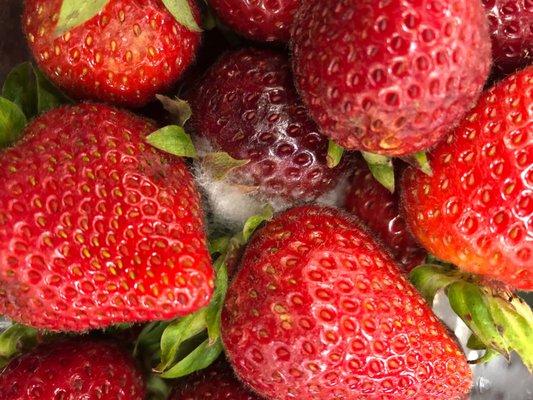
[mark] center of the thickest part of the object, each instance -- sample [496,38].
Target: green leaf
[422,163]
[14,340]
[76,12]
[255,221]
[430,278]
[219,245]
[201,357]
[486,357]
[178,332]
[219,164]
[334,155]
[381,168]
[182,12]
[48,95]
[176,107]
[12,122]
[148,341]
[214,310]
[172,139]
[474,343]
[157,388]
[20,88]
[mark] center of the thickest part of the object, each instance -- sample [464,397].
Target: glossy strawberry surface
[73,369]
[218,382]
[389,77]
[97,227]
[379,209]
[511,29]
[318,310]
[262,20]
[127,53]
[476,211]
[247,106]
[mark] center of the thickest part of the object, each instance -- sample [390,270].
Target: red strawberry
[389,77]
[215,383]
[97,227]
[511,28]
[379,209]
[247,106]
[73,369]
[319,311]
[263,20]
[476,211]
[127,53]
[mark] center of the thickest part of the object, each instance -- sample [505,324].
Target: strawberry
[262,20]
[511,29]
[73,369]
[125,54]
[318,310]
[215,383]
[247,106]
[389,77]
[476,210]
[379,209]
[97,227]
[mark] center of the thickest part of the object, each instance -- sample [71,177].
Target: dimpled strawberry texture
[247,106]
[379,209]
[389,77]
[97,227]
[218,382]
[511,29]
[73,369]
[126,54]
[261,20]
[476,211]
[319,311]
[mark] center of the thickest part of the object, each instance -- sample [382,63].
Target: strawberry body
[73,369]
[218,382]
[379,209]
[476,210]
[511,29]
[127,53]
[319,311]
[262,20]
[389,77]
[97,227]
[247,106]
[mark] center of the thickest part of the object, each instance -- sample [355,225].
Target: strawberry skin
[218,382]
[379,209]
[389,77]
[511,29]
[261,20]
[247,106]
[126,54]
[319,311]
[476,210]
[73,369]
[97,227]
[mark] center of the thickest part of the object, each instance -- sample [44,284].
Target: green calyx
[74,13]
[178,108]
[334,155]
[381,168]
[174,140]
[173,349]
[220,164]
[14,340]
[500,321]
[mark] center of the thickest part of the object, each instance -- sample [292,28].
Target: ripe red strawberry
[511,28]
[97,227]
[379,209]
[319,311]
[73,369]
[262,20]
[389,77]
[247,106]
[127,53]
[476,210]
[218,382]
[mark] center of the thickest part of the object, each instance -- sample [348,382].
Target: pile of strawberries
[292,185]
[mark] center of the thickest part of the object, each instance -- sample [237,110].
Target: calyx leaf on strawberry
[75,12]
[334,155]
[180,347]
[12,122]
[178,108]
[500,320]
[219,164]
[15,339]
[174,140]
[381,168]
